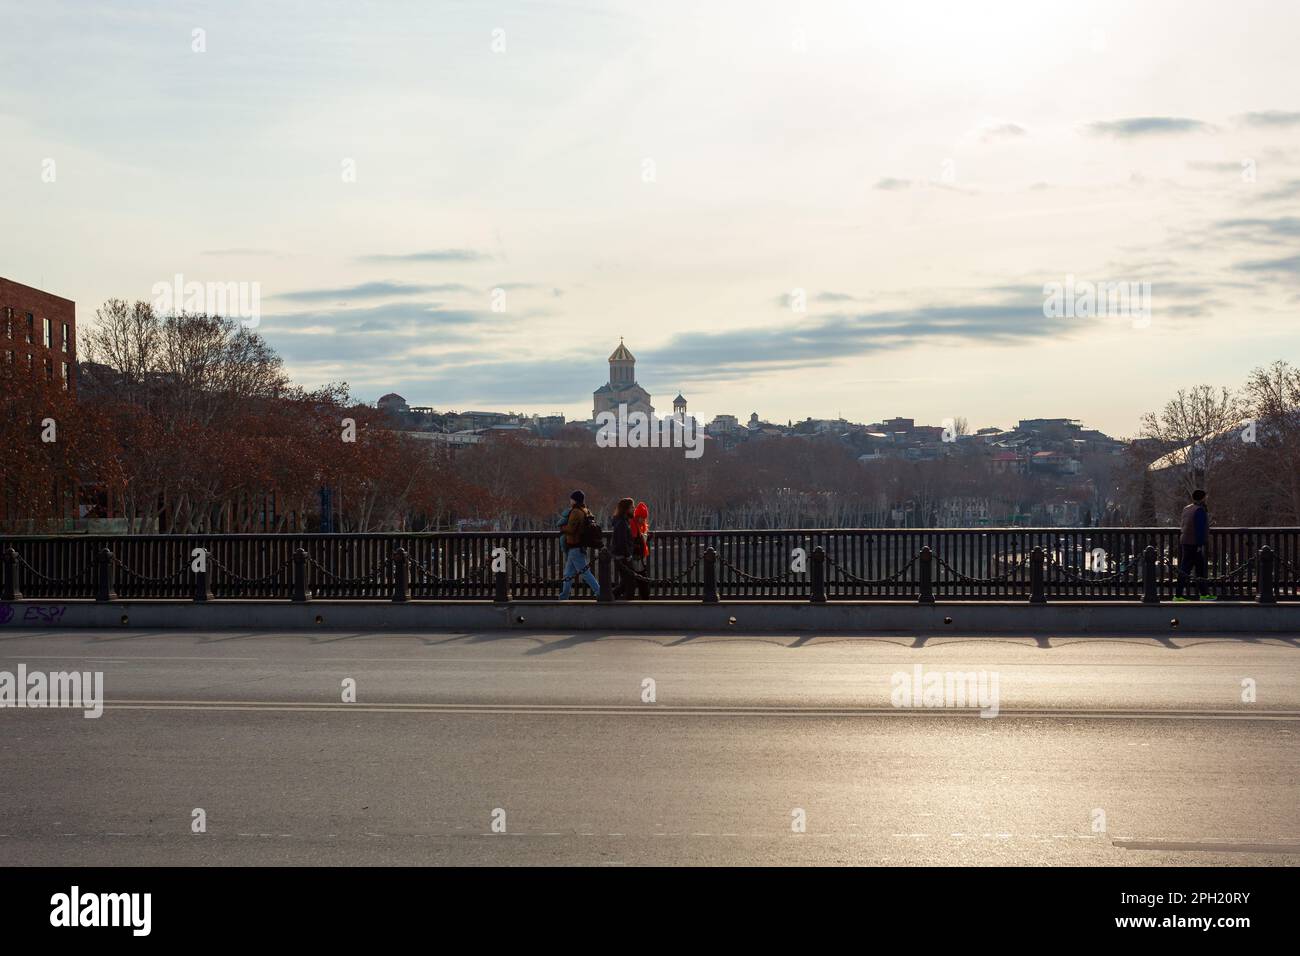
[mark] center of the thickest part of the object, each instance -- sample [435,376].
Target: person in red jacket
[640,528]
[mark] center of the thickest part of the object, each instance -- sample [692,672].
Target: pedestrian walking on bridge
[578,530]
[1192,540]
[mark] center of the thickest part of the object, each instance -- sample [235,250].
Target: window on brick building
[67,338]
[9,321]
[65,376]
[31,328]
[48,333]
[49,370]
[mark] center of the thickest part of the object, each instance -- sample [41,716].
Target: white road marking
[617,710]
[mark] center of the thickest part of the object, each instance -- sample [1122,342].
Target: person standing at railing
[641,547]
[576,534]
[621,547]
[1194,536]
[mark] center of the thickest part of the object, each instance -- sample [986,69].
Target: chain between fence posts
[1037,591]
[927,576]
[818,595]
[1265,577]
[202,587]
[1150,595]
[710,576]
[1267,581]
[300,593]
[104,577]
[12,589]
[604,576]
[401,576]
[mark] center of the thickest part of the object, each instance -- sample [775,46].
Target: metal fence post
[104,577]
[300,593]
[202,590]
[818,575]
[12,590]
[710,576]
[501,588]
[927,576]
[401,576]
[1037,590]
[1150,594]
[1267,581]
[604,576]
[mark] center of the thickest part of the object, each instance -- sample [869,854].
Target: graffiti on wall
[33,613]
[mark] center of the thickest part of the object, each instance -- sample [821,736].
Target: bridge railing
[859,564]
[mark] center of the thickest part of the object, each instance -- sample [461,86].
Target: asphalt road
[1105,751]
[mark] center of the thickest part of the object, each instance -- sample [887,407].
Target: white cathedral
[622,389]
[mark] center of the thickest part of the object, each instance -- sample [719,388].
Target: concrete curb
[958,617]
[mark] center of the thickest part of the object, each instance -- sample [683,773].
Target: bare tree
[1199,423]
[1274,396]
[127,338]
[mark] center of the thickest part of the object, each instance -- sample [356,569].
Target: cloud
[370,340]
[1212,166]
[431,255]
[1288,190]
[527,286]
[416,317]
[463,377]
[1002,131]
[1136,126]
[407,356]
[820,341]
[370,290]
[363,352]
[1270,118]
[534,382]
[785,300]
[1268,231]
[1289,266]
[1181,290]
[892,184]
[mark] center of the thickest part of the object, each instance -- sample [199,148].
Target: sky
[800,209]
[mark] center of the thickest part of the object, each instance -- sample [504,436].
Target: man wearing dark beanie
[576,562]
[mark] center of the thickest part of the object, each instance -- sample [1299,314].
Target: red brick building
[38,330]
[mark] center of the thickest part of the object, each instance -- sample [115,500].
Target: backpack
[589,533]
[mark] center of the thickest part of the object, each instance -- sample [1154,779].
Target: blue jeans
[575,560]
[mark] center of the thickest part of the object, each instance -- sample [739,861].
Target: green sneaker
[1181,600]
[1209,597]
